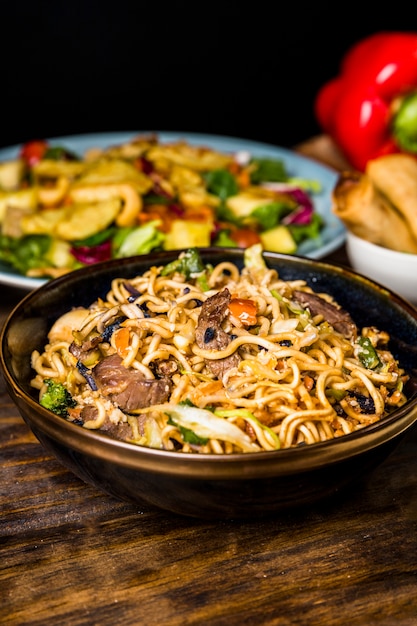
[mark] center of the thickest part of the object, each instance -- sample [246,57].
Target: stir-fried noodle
[202,359]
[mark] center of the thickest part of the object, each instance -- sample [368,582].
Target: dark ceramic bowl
[210,486]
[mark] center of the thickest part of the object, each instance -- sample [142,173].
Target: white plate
[332,236]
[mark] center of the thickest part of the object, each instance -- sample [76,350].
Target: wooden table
[71,555]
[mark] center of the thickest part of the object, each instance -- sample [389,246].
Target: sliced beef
[81,352]
[165,368]
[128,388]
[122,430]
[210,334]
[337,317]
[89,413]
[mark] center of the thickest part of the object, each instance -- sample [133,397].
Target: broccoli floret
[57,398]
[188,263]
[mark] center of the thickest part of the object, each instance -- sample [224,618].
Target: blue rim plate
[332,236]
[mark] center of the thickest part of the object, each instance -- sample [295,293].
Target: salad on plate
[60,210]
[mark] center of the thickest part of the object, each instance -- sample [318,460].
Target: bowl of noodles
[214,383]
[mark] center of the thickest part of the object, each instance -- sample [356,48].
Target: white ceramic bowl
[392,269]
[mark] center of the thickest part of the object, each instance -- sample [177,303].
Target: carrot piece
[121,341]
[234,167]
[241,174]
[243,178]
[244,310]
[74,413]
[308,382]
[201,213]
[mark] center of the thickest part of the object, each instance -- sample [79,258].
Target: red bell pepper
[33,151]
[370,108]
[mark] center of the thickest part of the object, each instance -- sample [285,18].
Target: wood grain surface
[72,555]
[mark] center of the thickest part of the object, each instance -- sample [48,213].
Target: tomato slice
[244,237]
[33,151]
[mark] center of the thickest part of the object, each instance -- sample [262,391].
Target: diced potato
[59,254]
[11,173]
[247,201]
[188,234]
[278,239]
[26,199]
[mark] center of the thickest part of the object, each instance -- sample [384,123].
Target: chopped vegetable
[221,183]
[253,258]
[243,237]
[92,254]
[302,231]
[33,151]
[367,353]
[121,341]
[57,398]
[245,310]
[26,253]
[265,170]
[279,239]
[188,263]
[224,239]
[206,425]
[140,240]
[11,173]
[249,417]
[270,215]
[188,234]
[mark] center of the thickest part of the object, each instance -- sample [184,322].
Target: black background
[248,70]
